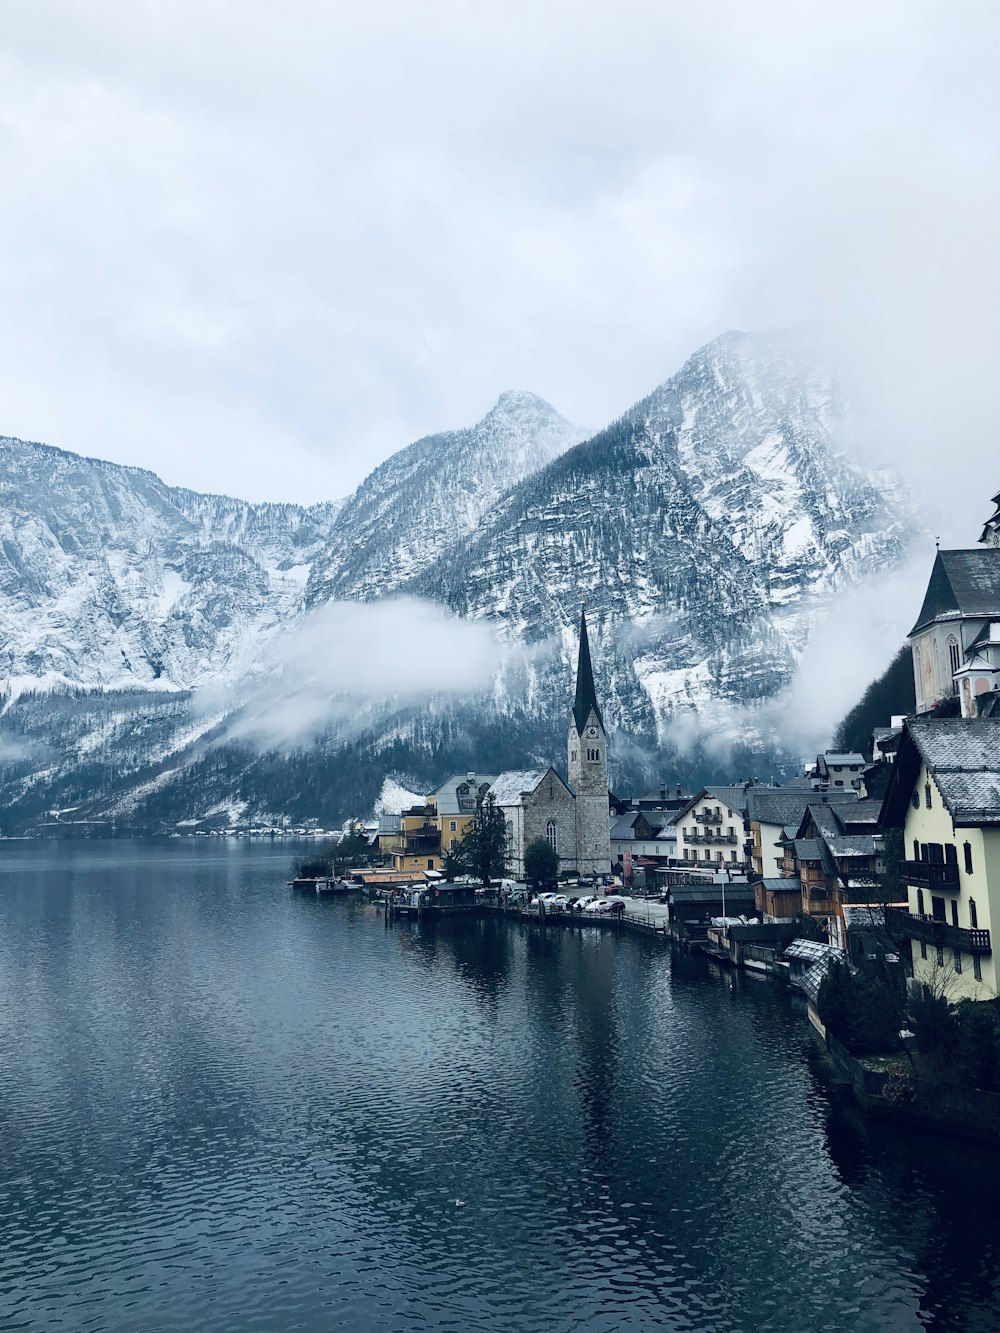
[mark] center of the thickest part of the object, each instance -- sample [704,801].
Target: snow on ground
[394,799]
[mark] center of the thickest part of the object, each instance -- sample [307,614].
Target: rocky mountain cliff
[426,499]
[708,528]
[109,578]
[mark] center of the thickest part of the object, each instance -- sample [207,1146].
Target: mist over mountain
[709,529]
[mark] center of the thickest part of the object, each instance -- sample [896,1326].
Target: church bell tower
[587,752]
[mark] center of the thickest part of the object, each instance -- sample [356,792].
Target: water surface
[225,1105]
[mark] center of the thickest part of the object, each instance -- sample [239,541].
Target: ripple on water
[223,1105]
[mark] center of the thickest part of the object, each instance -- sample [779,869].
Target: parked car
[594,905]
[560,900]
[581,904]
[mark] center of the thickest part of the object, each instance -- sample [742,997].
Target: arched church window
[954,655]
[552,834]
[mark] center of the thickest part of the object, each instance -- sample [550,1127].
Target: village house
[774,813]
[711,828]
[945,797]
[839,770]
[418,839]
[643,834]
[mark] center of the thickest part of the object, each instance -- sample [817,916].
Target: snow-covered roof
[508,787]
[451,800]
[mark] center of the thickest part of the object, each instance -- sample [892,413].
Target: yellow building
[428,831]
[945,796]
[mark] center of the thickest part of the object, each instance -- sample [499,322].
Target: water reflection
[223,1105]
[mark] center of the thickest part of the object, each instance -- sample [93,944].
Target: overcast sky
[258,247]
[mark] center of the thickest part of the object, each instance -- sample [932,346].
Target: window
[958,961]
[940,956]
[973,918]
[916,845]
[920,902]
[915,799]
[430,863]
[977,967]
[927,795]
[923,950]
[453,827]
[954,656]
[593,756]
[454,843]
[572,756]
[967,849]
[552,833]
[954,913]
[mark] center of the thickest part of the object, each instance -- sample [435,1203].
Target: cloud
[349,665]
[258,250]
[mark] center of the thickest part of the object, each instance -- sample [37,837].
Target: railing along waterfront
[942,934]
[930,874]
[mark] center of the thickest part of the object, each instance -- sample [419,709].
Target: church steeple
[587,755]
[991,531]
[586,694]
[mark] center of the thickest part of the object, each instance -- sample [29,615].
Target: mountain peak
[521,403]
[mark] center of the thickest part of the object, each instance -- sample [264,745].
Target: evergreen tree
[484,850]
[541,861]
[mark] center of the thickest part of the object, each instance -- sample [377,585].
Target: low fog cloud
[350,664]
[852,641]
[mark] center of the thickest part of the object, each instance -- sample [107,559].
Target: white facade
[962,895]
[710,830]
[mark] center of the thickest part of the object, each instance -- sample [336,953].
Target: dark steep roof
[963,756]
[586,694]
[962,583]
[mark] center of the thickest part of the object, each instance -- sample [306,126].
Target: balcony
[940,875]
[709,817]
[941,934]
[715,839]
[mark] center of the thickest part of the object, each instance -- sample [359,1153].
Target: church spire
[586,695]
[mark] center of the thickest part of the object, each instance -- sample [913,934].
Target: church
[571,816]
[956,639]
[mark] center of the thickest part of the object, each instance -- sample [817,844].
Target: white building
[945,796]
[711,828]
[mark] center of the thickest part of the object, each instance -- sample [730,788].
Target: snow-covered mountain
[110,578]
[708,530]
[426,499]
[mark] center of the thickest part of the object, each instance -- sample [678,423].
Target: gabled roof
[787,805]
[782,885]
[840,760]
[962,583]
[963,757]
[508,788]
[586,694]
[446,796]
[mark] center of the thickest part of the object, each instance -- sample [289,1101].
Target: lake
[225,1105]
